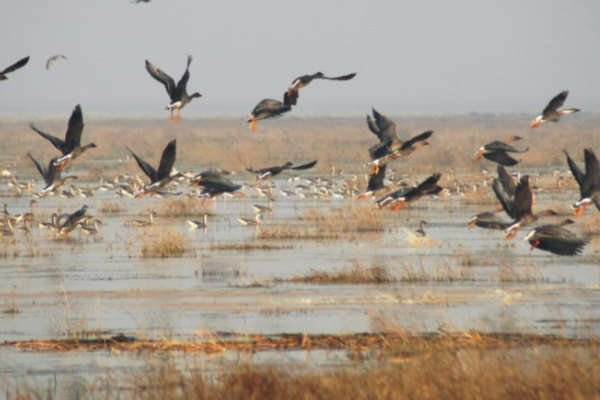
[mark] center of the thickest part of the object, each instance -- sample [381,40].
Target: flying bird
[52,59]
[556,239]
[496,151]
[291,95]
[376,187]
[213,184]
[19,64]
[390,147]
[551,112]
[178,94]
[267,108]
[428,187]
[488,220]
[71,222]
[162,177]
[521,208]
[51,175]
[589,183]
[71,147]
[266,173]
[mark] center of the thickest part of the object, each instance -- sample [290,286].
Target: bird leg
[253,125]
[203,200]
[397,206]
[375,169]
[177,118]
[580,209]
[208,202]
[171,117]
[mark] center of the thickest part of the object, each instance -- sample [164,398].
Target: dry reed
[351,274]
[466,366]
[163,245]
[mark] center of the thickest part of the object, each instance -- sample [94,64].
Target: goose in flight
[51,175]
[496,151]
[266,109]
[291,95]
[556,239]
[589,182]
[71,147]
[162,177]
[177,93]
[266,173]
[551,112]
[390,146]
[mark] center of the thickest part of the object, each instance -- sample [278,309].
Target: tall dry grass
[559,374]
[328,224]
[344,142]
[163,245]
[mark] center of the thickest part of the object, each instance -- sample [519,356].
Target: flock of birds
[515,199]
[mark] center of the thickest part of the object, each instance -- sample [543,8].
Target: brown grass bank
[463,367]
[344,142]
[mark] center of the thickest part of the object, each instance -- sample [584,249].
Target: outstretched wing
[577,174]
[19,64]
[73,136]
[501,158]
[305,166]
[503,198]
[148,170]
[507,182]
[556,102]
[181,85]
[338,78]
[429,183]
[502,146]
[272,107]
[523,197]
[161,77]
[56,142]
[167,160]
[386,128]
[419,138]
[592,173]
[39,167]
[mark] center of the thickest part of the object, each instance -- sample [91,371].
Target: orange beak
[253,125]
[478,155]
[472,224]
[362,197]
[534,123]
[511,234]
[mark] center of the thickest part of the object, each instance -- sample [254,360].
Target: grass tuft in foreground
[167,244]
[353,273]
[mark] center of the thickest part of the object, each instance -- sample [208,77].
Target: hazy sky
[412,57]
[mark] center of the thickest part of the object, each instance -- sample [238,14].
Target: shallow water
[101,284]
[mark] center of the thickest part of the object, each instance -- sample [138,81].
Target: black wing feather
[56,142]
[556,102]
[73,136]
[167,160]
[147,168]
